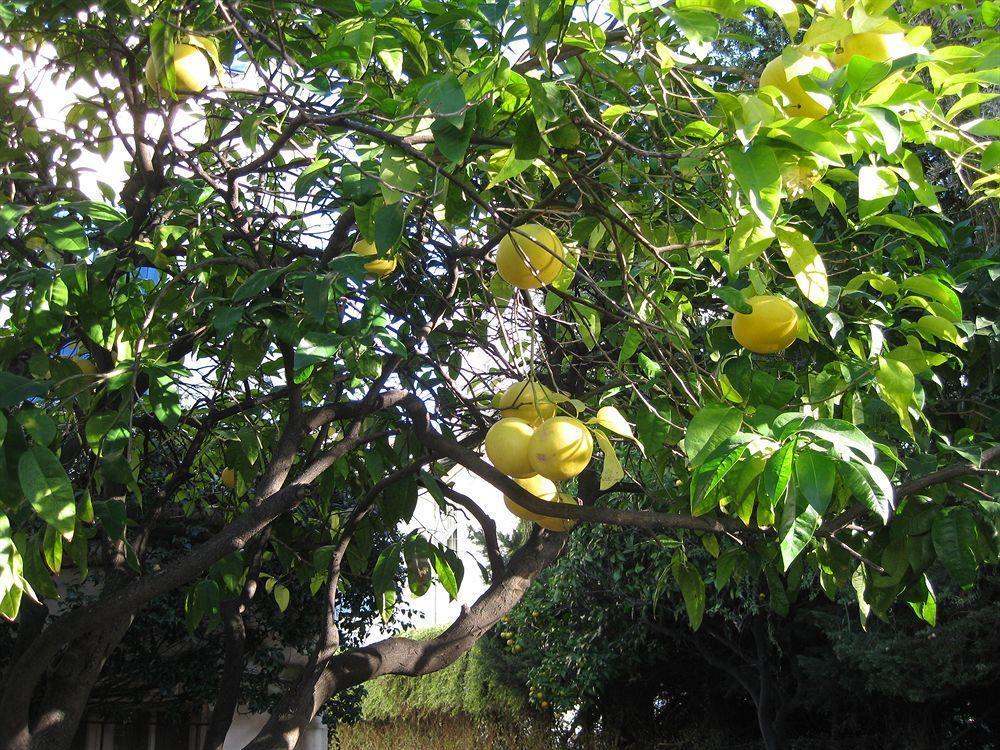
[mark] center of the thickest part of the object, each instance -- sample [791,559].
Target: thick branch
[409,657]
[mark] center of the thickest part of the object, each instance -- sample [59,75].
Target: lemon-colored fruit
[229,478]
[546,522]
[871,44]
[530,257]
[507,447]
[771,326]
[561,448]
[380,267]
[801,103]
[538,486]
[192,71]
[528,400]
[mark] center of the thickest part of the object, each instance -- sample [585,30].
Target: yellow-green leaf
[610,418]
[805,265]
[612,473]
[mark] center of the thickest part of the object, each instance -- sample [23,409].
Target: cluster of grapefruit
[797,72]
[537,448]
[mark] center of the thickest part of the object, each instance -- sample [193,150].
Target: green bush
[477,686]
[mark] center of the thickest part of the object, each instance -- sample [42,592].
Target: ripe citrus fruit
[801,103]
[539,487]
[380,267]
[546,490]
[507,447]
[771,326]
[229,478]
[192,71]
[561,448]
[528,400]
[870,44]
[530,257]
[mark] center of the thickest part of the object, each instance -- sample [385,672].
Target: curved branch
[406,656]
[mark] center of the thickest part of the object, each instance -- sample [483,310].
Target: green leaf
[933,327]
[921,599]
[444,97]
[868,484]
[887,123]
[877,187]
[308,177]
[66,236]
[955,538]
[588,323]
[931,288]
[47,487]
[734,299]
[112,515]
[386,567]
[417,554]
[847,440]
[446,573]
[796,526]
[805,264]
[611,419]
[165,400]
[257,283]
[317,347]
[281,596]
[925,231]
[708,429]
[693,591]
[710,474]
[452,142]
[895,385]
[757,174]
[388,226]
[14,389]
[105,434]
[815,475]
[778,473]
[52,549]
[38,424]
[750,239]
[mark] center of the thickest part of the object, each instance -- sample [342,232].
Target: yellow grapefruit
[192,71]
[507,447]
[229,478]
[528,400]
[380,267]
[771,326]
[801,103]
[546,522]
[530,257]
[561,448]
[871,44]
[540,487]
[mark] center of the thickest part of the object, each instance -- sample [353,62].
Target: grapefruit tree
[640,184]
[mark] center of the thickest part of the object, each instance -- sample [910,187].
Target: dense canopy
[206,340]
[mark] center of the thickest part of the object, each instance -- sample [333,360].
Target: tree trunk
[768,698]
[227,695]
[406,656]
[70,685]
